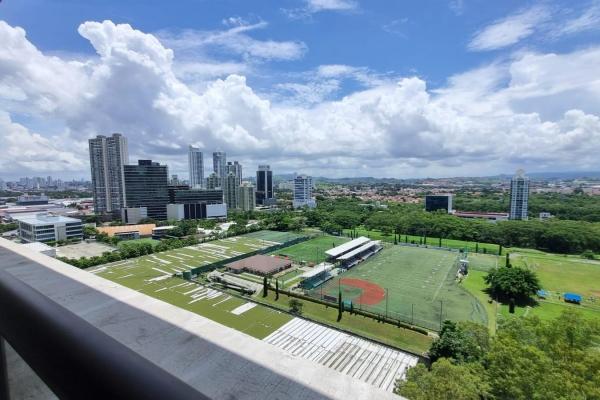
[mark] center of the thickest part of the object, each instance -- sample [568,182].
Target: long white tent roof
[317,270]
[358,250]
[343,248]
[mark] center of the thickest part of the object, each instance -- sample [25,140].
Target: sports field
[312,250]
[483,262]
[153,275]
[418,285]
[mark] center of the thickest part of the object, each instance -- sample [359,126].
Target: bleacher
[318,275]
[352,258]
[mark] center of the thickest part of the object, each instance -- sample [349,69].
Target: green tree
[265,286]
[295,306]
[462,342]
[445,381]
[517,283]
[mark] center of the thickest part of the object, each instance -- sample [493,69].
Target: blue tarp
[542,293]
[572,297]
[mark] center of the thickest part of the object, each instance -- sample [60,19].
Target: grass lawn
[419,284]
[154,275]
[145,240]
[484,262]
[451,243]
[557,274]
[405,339]
[313,250]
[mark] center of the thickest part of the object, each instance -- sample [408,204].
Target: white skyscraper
[196,167]
[246,200]
[236,169]
[519,196]
[220,164]
[303,197]
[108,155]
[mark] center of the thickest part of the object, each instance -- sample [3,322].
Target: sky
[336,88]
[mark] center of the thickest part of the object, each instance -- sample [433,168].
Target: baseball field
[417,285]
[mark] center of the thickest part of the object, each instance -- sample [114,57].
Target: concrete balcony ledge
[219,362]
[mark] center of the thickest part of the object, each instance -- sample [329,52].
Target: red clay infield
[371,293]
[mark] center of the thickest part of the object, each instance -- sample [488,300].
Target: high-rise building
[519,196]
[196,167]
[108,156]
[220,163]
[231,190]
[236,169]
[264,186]
[146,186]
[435,202]
[303,197]
[195,204]
[246,197]
[214,181]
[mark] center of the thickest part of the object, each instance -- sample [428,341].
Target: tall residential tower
[196,167]
[108,156]
[519,196]
[303,186]
[220,164]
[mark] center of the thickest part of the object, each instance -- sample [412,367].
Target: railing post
[4,389]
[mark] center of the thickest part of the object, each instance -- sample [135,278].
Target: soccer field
[153,275]
[311,251]
[416,285]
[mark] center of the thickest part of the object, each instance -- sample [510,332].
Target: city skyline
[488,88]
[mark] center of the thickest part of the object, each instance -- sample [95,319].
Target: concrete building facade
[196,167]
[246,197]
[264,186]
[220,163]
[108,156]
[45,227]
[146,186]
[231,190]
[303,186]
[236,169]
[519,196]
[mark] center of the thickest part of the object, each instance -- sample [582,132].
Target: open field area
[557,274]
[274,236]
[83,249]
[311,251]
[484,262]
[144,240]
[450,243]
[152,275]
[416,285]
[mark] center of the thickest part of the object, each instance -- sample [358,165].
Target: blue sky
[326,87]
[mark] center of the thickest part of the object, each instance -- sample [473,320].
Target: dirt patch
[371,293]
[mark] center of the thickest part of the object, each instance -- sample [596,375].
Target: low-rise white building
[45,227]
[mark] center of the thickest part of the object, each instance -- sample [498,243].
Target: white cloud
[538,111]
[510,30]
[588,20]
[315,6]
[234,40]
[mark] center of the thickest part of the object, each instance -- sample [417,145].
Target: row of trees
[577,206]
[527,359]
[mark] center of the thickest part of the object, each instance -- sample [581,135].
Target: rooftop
[358,250]
[44,218]
[343,248]
[260,263]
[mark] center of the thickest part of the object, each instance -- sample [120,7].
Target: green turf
[145,240]
[421,286]
[431,241]
[313,250]
[153,275]
[390,334]
[275,236]
[563,274]
[557,274]
[483,262]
